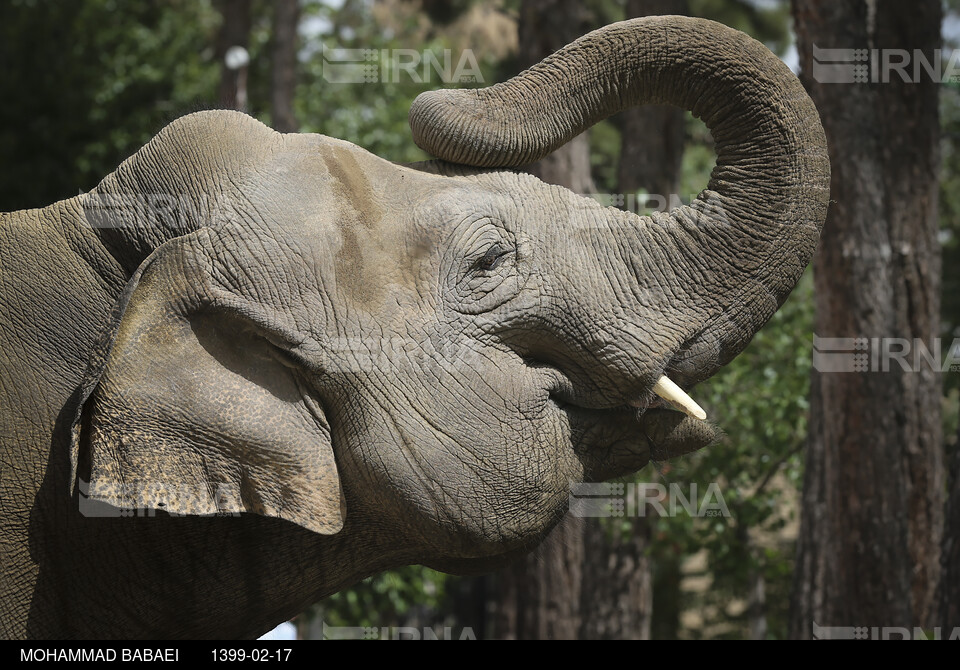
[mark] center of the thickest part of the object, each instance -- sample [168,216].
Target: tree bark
[537,598]
[756,587]
[617,592]
[234,32]
[949,611]
[871,512]
[470,603]
[286,18]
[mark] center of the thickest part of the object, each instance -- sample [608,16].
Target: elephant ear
[193,407]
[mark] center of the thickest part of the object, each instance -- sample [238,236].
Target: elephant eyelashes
[492,259]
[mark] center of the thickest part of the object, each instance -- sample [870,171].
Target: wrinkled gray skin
[361,365]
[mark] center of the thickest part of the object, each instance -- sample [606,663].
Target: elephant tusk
[673,394]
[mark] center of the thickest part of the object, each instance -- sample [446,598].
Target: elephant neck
[158,576]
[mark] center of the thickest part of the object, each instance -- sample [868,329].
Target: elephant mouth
[630,417]
[635,408]
[621,435]
[663,394]
[616,441]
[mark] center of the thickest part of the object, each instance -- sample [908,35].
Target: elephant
[250,369]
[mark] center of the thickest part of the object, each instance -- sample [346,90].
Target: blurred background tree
[872,504]
[88,82]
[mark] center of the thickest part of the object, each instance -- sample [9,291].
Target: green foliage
[374,114]
[699,159]
[259,70]
[761,400]
[605,156]
[403,597]
[85,84]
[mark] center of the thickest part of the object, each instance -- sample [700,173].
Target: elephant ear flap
[189,408]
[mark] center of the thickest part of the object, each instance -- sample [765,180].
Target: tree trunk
[470,604]
[234,32]
[286,18]
[537,598]
[757,604]
[756,587]
[948,616]
[871,514]
[617,593]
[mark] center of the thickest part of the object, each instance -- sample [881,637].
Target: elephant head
[462,346]
[420,359]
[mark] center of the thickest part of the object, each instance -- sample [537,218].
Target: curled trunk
[732,256]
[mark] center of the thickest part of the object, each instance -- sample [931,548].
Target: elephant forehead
[346,212]
[352,187]
[386,233]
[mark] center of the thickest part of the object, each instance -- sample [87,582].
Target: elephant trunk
[735,253]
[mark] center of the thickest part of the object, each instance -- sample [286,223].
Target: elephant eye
[486,271]
[492,258]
